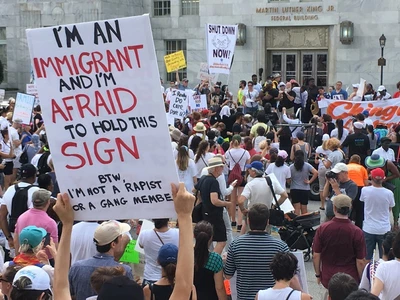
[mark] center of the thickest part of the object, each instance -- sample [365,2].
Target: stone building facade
[298,38]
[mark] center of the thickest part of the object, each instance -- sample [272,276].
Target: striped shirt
[250,255]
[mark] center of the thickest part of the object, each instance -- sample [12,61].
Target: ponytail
[201,150]
[203,233]
[339,124]
[170,270]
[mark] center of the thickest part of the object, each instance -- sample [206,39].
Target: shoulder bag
[276,215]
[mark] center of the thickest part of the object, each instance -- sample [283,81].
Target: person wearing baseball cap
[378,203]
[385,151]
[339,181]
[31,282]
[357,142]
[109,245]
[328,244]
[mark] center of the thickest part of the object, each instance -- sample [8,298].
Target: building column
[260,51]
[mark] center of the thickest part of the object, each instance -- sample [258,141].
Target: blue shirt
[341,92]
[80,272]
[182,87]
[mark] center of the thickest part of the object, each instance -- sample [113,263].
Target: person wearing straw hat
[200,130]
[211,196]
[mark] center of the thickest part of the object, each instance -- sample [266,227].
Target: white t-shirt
[9,194]
[389,273]
[335,134]
[14,136]
[251,98]
[388,155]
[258,191]
[203,162]
[82,245]
[320,150]
[281,173]
[279,294]
[187,176]
[5,148]
[377,202]
[175,151]
[257,141]
[151,244]
[237,155]
[4,124]
[35,159]
[199,134]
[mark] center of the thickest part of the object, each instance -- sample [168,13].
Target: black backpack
[19,205]
[42,165]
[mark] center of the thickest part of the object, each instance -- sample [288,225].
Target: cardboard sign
[2,94]
[130,255]
[23,108]
[175,61]
[198,102]
[179,104]
[100,89]
[204,74]
[385,112]
[221,41]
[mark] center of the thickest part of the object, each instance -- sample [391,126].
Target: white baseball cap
[39,278]
[108,231]
[381,88]
[356,85]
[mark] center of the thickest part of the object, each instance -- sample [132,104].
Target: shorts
[299,196]
[321,178]
[217,221]
[16,162]
[8,170]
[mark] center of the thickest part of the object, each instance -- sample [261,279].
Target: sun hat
[40,280]
[341,201]
[108,231]
[283,154]
[256,165]
[121,288]
[199,127]
[378,173]
[374,161]
[340,167]
[175,134]
[32,236]
[215,162]
[167,254]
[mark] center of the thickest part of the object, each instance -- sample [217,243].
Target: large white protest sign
[100,90]
[23,108]
[385,112]
[198,102]
[221,41]
[179,103]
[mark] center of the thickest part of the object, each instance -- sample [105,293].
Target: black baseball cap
[28,171]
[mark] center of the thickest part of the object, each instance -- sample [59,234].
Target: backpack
[236,172]
[23,159]
[19,205]
[42,165]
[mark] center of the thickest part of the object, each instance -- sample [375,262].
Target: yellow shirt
[253,130]
[240,96]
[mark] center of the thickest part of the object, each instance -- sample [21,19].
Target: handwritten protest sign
[175,61]
[198,102]
[130,254]
[179,104]
[2,94]
[221,41]
[100,92]
[380,112]
[23,107]
[31,89]
[204,74]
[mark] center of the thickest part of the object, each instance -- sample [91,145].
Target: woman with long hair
[248,145]
[208,266]
[195,144]
[372,136]
[387,274]
[300,182]
[336,155]
[7,154]
[7,278]
[237,155]
[359,174]
[280,169]
[202,157]
[187,170]
[301,145]
[339,132]
[322,152]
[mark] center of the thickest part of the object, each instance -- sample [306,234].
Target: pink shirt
[38,218]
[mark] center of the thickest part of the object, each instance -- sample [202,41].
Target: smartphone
[234,182]
[47,240]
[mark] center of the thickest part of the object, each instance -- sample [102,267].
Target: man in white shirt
[385,151]
[16,141]
[378,203]
[382,93]
[82,245]
[251,99]
[291,120]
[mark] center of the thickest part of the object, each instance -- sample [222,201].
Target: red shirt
[340,243]
[396,95]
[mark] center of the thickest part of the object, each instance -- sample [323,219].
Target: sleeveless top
[279,294]
[304,149]
[160,292]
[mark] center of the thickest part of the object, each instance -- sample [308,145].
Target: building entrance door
[300,65]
